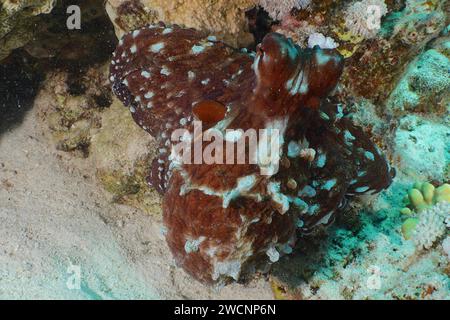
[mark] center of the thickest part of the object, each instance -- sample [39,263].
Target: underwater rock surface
[423,148]
[224,18]
[223,220]
[424,87]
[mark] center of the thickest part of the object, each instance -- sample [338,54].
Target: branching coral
[363,18]
[278,9]
[432,208]
[431,225]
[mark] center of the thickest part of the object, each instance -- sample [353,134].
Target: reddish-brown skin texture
[225,220]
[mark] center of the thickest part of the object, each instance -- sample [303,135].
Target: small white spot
[149,105]
[167,31]
[183,121]
[133,48]
[308,191]
[197,49]
[273,254]
[313,209]
[157,47]
[136,33]
[145,74]
[321,160]
[165,71]
[362,189]
[294,149]
[132,109]
[205,82]
[348,137]
[212,38]
[149,95]
[193,245]
[369,155]
[191,75]
[125,82]
[329,184]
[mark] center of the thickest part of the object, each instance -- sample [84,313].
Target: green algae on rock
[121,154]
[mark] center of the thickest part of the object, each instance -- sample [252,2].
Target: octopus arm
[346,162]
[373,173]
[162,72]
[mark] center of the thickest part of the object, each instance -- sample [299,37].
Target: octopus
[225,220]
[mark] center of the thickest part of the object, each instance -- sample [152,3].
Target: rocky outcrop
[224,18]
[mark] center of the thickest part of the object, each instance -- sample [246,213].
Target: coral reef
[375,65]
[278,9]
[224,18]
[431,225]
[318,39]
[367,260]
[419,21]
[225,220]
[424,87]
[363,18]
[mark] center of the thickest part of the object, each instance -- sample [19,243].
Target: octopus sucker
[225,219]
